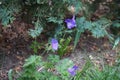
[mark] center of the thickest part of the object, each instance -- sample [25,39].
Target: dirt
[98,58]
[11,61]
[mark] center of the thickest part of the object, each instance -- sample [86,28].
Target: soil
[15,48]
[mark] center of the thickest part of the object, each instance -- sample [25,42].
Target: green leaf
[10,74]
[7,11]
[37,31]
[116,24]
[35,46]
[80,28]
[98,31]
[32,60]
[78,7]
[99,28]
[116,42]
[53,58]
[55,20]
[77,37]
[64,43]
[38,1]
[62,67]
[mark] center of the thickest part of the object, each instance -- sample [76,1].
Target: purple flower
[54,44]
[71,23]
[73,70]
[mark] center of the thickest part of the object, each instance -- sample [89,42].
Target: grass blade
[10,74]
[76,39]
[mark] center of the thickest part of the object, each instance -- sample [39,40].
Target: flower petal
[73,70]
[54,44]
[75,67]
[71,23]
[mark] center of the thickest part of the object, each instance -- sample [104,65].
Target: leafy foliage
[32,60]
[8,9]
[117,41]
[10,74]
[90,72]
[48,16]
[62,68]
[37,31]
[116,23]
[115,28]
[51,61]
[30,68]
[53,58]
[30,71]
[35,46]
[64,45]
[97,28]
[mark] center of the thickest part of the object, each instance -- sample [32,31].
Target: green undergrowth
[90,72]
[51,69]
[54,68]
[48,17]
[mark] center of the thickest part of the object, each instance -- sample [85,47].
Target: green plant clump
[90,72]
[51,69]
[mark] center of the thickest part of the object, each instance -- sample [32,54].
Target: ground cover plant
[56,69]
[51,30]
[46,68]
[94,73]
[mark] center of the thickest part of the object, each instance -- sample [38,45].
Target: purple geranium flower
[71,23]
[73,70]
[54,44]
